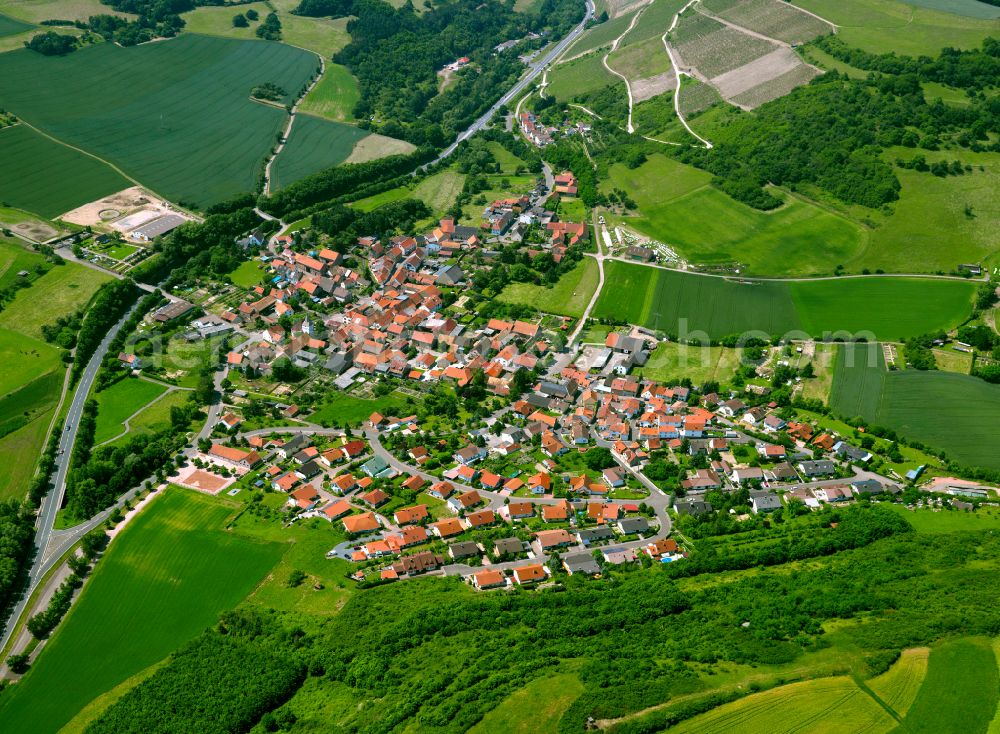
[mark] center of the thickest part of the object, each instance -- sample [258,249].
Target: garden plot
[713,48]
[772,18]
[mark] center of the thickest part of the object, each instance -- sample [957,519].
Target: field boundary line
[287,132]
[109,164]
[763,279]
[864,688]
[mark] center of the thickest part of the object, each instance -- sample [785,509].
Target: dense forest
[404,99]
[17,529]
[434,653]
[831,132]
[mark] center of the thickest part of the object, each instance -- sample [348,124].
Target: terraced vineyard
[772,18]
[714,48]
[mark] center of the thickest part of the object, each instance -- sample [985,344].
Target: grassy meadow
[334,95]
[683,303]
[175,115]
[437,191]
[342,408]
[579,77]
[35,11]
[50,178]
[119,401]
[217,20]
[161,583]
[534,709]
[678,206]
[568,297]
[880,26]
[671,361]
[314,144]
[62,290]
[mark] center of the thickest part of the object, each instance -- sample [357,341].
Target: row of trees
[110,302]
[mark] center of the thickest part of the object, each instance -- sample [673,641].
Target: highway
[50,545]
[534,69]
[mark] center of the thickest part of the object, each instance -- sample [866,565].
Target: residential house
[532,574]
[764,501]
[581,563]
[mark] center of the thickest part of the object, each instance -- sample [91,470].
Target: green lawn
[960,691]
[59,292]
[189,130]
[47,178]
[678,206]
[119,401]
[568,297]
[683,304]
[24,359]
[887,25]
[248,274]
[313,145]
[334,96]
[343,408]
[161,583]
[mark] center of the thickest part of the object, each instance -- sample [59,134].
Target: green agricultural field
[579,77]
[945,410]
[683,304]
[678,206]
[858,378]
[35,11]
[898,686]
[839,703]
[957,413]
[120,401]
[61,291]
[29,403]
[960,691]
[175,115]
[334,95]
[314,144]
[11,26]
[653,22]
[671,361]
[686,303]
[889,308]
[887,25]
[161,583]
[535,709]
[50,178]
[568,297]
